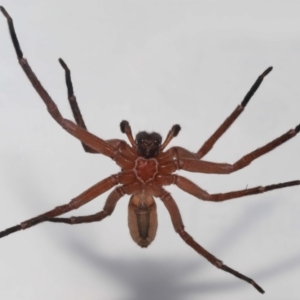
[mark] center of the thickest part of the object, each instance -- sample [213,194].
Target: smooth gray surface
[154,64]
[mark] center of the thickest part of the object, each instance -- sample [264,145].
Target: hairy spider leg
[193,189]
[186,160]
[85,197]
[207,146]
[74,105]
[175,215]
[124,125]
[108,209]
[84,136]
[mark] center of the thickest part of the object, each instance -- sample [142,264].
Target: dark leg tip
[255,86]
[297,129]
[123,125]
[10,230]
[265,73]
[63,64]
[4,12]
[259,289]
[243,277]
[68,78]
[176,128]
[12,33]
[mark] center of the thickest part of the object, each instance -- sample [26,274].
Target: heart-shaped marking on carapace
[145,169]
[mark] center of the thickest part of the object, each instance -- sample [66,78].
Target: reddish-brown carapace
[145,168]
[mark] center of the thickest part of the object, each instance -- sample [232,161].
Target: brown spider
[145,168]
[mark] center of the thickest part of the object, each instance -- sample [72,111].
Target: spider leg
[108,209]
[84,136]
[179,158]
[179,228]
[207,146]
[74,105]
[193,189]
[91,193]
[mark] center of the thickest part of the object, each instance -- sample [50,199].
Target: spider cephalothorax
[145,169]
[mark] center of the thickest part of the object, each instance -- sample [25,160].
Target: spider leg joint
[293,132]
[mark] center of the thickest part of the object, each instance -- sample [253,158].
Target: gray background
[155,64]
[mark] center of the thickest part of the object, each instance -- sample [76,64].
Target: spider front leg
[74,105]
[207,146]
[124,125]
[246,159]
[179,158]
[179,228]
[91,193]
[80,133]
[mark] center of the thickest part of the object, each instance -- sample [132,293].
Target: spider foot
[10,230]
[255,86]
[12,32]
[243,277]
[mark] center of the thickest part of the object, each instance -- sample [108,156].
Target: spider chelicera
[145,169]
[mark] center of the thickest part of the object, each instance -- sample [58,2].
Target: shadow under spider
[167,278]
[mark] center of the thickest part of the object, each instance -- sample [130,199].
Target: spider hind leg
[179,228]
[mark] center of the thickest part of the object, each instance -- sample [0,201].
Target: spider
[145,168]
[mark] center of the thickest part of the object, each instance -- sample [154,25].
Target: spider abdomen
[142,218]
